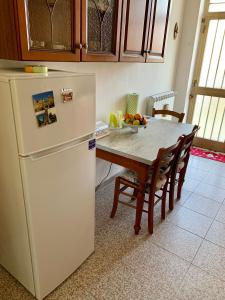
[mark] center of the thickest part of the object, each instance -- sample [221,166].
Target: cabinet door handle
[146,51]
[85,46]
[78,46]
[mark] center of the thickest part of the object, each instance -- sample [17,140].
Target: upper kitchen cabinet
[9,43]
[144,28]
[158,30]
[47,30]
[101,20]
[84,30]
[134,31]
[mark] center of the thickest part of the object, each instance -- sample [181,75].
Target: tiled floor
[183,259]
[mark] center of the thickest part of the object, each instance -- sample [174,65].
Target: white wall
[115,80]
[187,53]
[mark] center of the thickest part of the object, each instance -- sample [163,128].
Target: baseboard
[108,180]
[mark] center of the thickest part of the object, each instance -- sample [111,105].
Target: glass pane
[216,5]
[101,24]
[209,114]
[213,66]
[218,133]
[50,24]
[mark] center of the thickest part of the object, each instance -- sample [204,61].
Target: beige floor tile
[193,294]
[221,214]
[156,264]
[92,272]
[123,283]
[200,163]
[211,258]
[190,184]
[11,289]
[171,214]
[184,196]
[222,170]
[200,285]
[215,179]
[177,240]
[196,174]
[192,221]
[69,292]
[216,233]
[217,168]
[202,205]
[210,191]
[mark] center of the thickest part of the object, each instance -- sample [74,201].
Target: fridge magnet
[44,108]
[91,144]
[67,95]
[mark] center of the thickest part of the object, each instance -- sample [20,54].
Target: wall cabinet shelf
[83,30]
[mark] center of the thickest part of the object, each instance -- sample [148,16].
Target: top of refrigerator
[49,110]
[18,73]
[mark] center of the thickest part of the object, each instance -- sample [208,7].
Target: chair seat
[132,176]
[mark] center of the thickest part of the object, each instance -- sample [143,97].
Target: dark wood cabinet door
[134,30]
[9,37]
[158,30]
[49,29]
[101,20]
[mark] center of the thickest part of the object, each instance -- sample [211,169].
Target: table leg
[140,200]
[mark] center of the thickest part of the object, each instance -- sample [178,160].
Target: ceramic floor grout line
[204,239]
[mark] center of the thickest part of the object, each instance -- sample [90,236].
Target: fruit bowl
[134,128]
[134,121]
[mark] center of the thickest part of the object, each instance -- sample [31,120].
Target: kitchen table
[137,151]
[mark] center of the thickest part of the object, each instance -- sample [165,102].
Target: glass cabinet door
[100,30]
[52,29]
[50,24]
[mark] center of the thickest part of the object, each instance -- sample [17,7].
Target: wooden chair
[183,161]
[180,166]
[179,116]
[159,175]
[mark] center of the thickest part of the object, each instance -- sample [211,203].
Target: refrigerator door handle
[54,151]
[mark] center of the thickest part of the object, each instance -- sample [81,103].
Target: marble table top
[144,145]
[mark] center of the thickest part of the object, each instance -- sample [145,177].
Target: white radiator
[161,101]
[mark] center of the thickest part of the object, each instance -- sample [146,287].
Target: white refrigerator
[47,176]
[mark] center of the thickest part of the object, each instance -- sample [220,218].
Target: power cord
[104,178]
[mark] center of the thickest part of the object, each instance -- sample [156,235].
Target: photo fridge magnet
[44,108]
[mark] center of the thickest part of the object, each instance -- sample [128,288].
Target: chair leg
[139,209]
[151,212]
[180,184]
[163,206]
[171,192]
[116,197]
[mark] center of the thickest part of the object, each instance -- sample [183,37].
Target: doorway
[207,99]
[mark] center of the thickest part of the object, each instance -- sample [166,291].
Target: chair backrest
[179,116]
[164,163]
[168,158]
[186,144]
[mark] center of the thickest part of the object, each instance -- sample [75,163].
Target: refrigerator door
[59,193]
[75,118]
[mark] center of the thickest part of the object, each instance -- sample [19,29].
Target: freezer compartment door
[60,202]
[68,120]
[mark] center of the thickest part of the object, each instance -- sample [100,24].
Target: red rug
[208,154]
